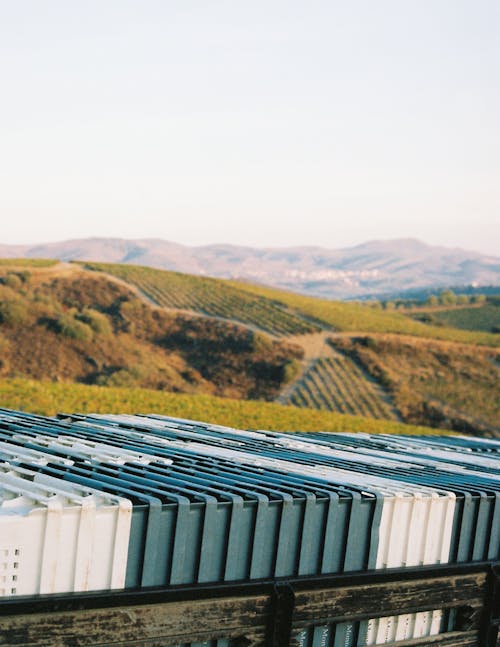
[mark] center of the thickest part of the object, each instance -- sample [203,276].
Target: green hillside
[354,317]
[484,318]
[275,311]
[126,326]
[211,297]
[28,262]
[48,398]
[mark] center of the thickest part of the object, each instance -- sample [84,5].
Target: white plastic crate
[88,449]
[415,528]
[9,452]
[57,537]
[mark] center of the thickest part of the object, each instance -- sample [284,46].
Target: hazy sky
[260,122]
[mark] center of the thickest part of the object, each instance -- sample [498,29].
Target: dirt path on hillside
[181,311]
[315,346]
[60,269]
[381,408]
[64,269]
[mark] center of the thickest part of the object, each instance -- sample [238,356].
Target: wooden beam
[365,601]
[259,614]
[150,624]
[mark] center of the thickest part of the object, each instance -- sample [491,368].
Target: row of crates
[109,502]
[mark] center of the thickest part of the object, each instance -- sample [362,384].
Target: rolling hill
[374,268]
[210,297]
[484,317]
[444,384]
[116,325]
[353,317]
[49,398]
[67,324]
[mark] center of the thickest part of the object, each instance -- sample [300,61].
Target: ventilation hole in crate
[7,557]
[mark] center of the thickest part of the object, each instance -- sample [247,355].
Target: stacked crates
[57,537]
[103,502]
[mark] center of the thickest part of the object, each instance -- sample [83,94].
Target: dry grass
[434,383]
[80,326]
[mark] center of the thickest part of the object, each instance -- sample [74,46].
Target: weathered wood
[162,624]
[365,601]
[249,614]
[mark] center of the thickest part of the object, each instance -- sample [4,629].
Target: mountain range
[372,269]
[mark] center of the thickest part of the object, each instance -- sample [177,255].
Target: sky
[262,122]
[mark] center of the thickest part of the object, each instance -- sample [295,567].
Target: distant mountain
[380,267]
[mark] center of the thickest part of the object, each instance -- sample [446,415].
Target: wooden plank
[157,623]
[152,624]
[365,601]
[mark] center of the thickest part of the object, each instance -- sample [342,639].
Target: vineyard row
[213,299]
[338,384]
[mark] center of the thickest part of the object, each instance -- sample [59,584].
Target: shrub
[479,298]
[131,313]
[13,313]
[122,377]
[68,326]
[291,370]
[448,297]
[99,323]
[369,342]
[261,343]
[24,275]
[13,281]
